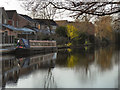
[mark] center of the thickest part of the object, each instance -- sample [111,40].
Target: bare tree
[92,8]
[77,8]
[40,9]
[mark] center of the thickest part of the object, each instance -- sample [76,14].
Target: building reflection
[13,68]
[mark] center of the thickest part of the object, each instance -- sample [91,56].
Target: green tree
[61,31]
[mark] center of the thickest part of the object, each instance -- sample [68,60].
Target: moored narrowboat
[26,46]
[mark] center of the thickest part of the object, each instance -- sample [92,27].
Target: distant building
[17,25]
[3,19]
[12,17]
[46,26]
[28,22]
[62,22]
[7,34]
[22,21]
[25,20]
[11,25]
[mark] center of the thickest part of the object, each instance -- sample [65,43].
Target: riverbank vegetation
[102,31]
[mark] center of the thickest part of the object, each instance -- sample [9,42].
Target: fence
[36,43]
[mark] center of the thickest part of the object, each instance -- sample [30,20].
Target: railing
[36,43]
[7,41]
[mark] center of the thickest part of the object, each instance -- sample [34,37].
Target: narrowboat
[26,46]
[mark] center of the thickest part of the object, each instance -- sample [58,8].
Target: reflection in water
[49,81]
[103,58]
[70,68]
[16,67]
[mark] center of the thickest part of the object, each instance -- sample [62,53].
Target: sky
[12,5]
[16,5]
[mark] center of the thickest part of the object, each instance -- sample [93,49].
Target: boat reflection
[15,68]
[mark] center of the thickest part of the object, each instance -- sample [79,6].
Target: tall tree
[61,31]
[72,32]
[104,28]
[116,28]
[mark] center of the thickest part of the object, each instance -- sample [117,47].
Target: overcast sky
[12,5]
[16,5]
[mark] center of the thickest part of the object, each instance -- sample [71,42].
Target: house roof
[26,29]
[10,27]
[62,22]
[3,10]
[45,21]
[1,7]
[10,13]
[26,17]
[47,31]
[35,29]
[18,29]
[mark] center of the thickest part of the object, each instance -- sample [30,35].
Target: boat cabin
[23,43]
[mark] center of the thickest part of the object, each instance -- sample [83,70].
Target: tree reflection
[104,58]
[82,60]
[49,81]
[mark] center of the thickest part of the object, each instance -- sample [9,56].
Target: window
[17,23]
[13,23]
[6,33]
[3,33]
[42,27]
[39,26]
[47,27]
[5,21]
[53,27]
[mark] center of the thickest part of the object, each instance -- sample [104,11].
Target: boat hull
[21,50]
[35,50]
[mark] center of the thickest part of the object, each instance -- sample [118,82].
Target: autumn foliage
[104,28]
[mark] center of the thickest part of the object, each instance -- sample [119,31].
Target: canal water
[68,68]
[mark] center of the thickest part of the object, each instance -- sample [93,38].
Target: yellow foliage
[69,50]
[72,32]
[72,61]
[86,48]
[69,44]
